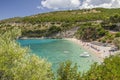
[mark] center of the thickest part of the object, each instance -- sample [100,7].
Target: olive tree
[17,63]
[68,72]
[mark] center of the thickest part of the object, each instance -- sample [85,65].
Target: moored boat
[85,54]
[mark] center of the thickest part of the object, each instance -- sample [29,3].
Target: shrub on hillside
[117,34]
[90,32]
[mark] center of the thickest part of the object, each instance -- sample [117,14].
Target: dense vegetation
[108,70]
[68,72]
[105,31]
[39,25]
[68,16]
[113,23]
[90,32]
[17,63]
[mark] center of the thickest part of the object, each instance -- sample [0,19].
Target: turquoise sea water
[58,50]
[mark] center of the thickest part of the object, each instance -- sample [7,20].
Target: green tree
[117,34]
[17,63]
[115,18]
[68,72]
[88,32]
[108,70]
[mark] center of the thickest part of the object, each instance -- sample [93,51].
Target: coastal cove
[60,40]
[57,51]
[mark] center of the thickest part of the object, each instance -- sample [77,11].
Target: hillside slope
[57,23]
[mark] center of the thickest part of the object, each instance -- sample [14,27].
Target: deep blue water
[59,50]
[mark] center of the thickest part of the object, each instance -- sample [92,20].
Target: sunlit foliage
[17,63]
[107,70]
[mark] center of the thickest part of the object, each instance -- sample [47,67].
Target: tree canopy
[107,70]
[17,63]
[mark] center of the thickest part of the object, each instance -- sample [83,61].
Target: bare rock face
[65,34]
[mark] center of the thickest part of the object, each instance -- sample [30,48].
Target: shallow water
[59,50]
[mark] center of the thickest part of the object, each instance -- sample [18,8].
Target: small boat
[85,54]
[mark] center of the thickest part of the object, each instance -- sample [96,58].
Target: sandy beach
[99,51]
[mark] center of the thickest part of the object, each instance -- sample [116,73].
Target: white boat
[85,54]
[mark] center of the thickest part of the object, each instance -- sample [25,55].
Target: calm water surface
[58,50]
